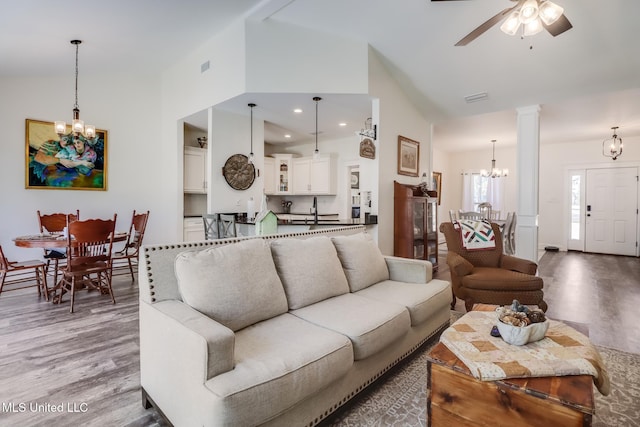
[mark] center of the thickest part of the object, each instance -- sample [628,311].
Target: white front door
[611,211]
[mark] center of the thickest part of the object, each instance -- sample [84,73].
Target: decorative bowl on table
[521,335]
[519,325]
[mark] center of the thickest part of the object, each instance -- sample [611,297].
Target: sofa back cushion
[363,263]
[236,284]
[309,269]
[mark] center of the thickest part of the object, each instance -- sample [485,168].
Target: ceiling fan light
[511,24]
[533,28]
[529,11]
[550,12]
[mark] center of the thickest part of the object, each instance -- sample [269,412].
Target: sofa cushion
[236,285]
[361,259]
[370,325]
[279,362]
[309,269]
[422,300]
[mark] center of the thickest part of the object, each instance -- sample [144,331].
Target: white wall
[231,134]
[555,160]
[128,107]
[397,116]
[250,57]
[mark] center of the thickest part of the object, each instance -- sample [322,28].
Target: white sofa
[277,330]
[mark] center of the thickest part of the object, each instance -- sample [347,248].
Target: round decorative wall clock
[238,172]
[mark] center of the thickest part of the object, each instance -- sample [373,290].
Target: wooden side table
[457,398]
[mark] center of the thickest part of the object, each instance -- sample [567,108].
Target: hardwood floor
[602,291]
[88,361]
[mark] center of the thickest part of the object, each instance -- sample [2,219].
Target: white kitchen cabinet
[284,172]
[314,176]
[269,175]
[193,229]
[195,170]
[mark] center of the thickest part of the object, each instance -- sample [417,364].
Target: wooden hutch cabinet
[415,233]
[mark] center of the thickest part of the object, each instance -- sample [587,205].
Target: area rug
[400,398]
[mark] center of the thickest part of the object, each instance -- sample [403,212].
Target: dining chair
[485,209]
[453,215]
[14,273]
[126,259]
[55,223]
[211,226]
[471,215]
[505,233]
[512,234]
[227,226]
[89,262]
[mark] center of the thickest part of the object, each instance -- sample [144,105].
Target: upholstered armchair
[489,276]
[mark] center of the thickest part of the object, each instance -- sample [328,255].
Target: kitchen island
[292,223]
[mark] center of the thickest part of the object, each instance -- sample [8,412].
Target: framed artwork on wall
[408,156]
[437,184]
[66,162]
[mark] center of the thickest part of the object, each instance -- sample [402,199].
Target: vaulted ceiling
[586,79]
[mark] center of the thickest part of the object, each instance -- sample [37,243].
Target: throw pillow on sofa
[363,263]
[236,285]
[309,269]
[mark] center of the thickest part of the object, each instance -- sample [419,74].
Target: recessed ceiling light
[297,110]
[343,124]
[287,136]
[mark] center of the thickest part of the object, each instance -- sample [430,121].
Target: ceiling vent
[482,96]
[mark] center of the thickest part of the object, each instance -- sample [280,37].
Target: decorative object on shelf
[66,162]
[316,152]
[251,105]
[77,126]
[612,147]
[202,141]
[494,172]
[238,172]
[367,149]
[369,131]
[408,156]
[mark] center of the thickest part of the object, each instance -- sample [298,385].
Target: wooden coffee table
[457,398]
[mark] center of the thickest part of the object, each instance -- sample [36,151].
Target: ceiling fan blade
[558,27]
[485,26]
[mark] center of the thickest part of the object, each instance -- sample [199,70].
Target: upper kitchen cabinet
[269,175]
[195,170]
[314,176]
[283,168]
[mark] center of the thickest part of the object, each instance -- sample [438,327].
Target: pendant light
[251,105]
[494,172]
[77,126]
[316,153]
[612,147]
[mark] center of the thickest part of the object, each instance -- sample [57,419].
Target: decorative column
[528,159]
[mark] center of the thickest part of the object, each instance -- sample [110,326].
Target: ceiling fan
[532,15]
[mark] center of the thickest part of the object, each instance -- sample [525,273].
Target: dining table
[54,240]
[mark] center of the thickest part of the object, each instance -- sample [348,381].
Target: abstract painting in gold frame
[64,163]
